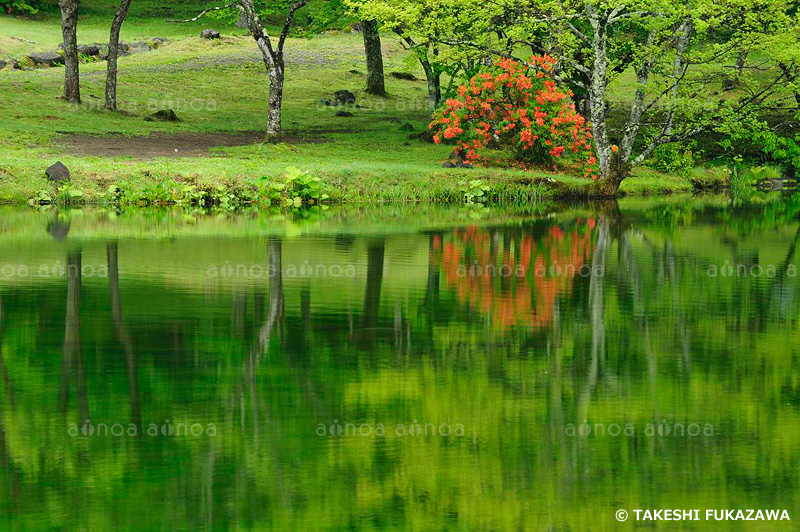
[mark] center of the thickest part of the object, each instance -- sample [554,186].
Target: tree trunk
[372,47]
[434,83]
[69,30]
[113,54]
[597,96]
[276,77]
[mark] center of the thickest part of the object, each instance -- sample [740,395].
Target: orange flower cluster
[507,107]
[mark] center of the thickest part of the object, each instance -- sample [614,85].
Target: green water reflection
[462,356]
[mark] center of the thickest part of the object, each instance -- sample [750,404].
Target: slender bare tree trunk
[434,82]
[276,77]
[113,54]
[273,58]
[372,47]
[69,29]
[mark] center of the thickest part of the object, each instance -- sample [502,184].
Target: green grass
[221,87]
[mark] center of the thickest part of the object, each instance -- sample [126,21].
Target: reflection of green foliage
[653,339]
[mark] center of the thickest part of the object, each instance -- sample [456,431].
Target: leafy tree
[20,6]
[678,52]
[271,47]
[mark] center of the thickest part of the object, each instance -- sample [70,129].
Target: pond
[404,368]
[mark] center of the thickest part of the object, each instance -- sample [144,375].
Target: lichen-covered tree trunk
[374,55]
[276,77]
[434,82]
[597,97]
[69,30]
[113,54]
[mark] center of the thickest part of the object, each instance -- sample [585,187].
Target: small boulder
[92,50]
[457,160]
[46,58]
[165,115]
[407,127]
[84,49]
[57,172]
[8,63]
[404,76]
[138,46]
[426,135]
[344,113]
[344,97]
[209,34]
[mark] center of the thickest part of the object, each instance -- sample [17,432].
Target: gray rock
[407,127]
[426,135]
[344,113]
[46,58]
[85,49]
[456,160]
[209,34]
[8,63]
[57,172]
[344,97]
[403,75]
[138,46]
[165,115]
[89,49]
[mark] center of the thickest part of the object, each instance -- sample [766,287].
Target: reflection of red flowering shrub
[518,285]
[509,106]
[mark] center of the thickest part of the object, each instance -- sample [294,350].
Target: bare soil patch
[161,144]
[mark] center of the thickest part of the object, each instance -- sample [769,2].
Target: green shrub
[30,7]
[674,159]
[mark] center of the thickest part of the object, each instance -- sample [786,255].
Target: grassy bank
[219,91]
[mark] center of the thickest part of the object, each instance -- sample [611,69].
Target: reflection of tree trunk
[131,364]
[372,293]
[10,470]
[7,383]
[597,312]
[780,294]
[557,428]
[276,300]
[431,288]
[72,355]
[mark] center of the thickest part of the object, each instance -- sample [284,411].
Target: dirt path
[157,144]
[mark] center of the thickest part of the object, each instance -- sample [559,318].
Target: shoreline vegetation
[213,151]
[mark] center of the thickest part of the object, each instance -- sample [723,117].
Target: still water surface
[408,369]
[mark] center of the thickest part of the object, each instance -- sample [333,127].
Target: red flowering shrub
[511,106]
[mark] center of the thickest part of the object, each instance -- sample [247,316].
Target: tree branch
[287,25]
[202,14]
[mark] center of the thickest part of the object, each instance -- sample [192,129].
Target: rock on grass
[165,115]
[57,172]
